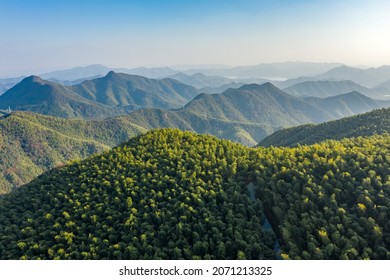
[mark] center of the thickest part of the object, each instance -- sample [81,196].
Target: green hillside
[165,195]
[31,144]
[375,122]
[170,194]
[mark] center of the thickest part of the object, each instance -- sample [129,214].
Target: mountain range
[245,115]
[370,77]
[265,70]
[112,95]
[113,166]
[331,88]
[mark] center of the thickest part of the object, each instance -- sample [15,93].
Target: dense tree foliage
[165,195]
[329,200]
[169,194]
[374,122]
[31,143]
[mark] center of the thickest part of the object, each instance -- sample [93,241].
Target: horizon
[45,36]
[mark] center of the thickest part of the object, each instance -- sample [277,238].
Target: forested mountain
[170,195]
[31,144]
[112,95]
[134,92]
[242,132]
[345,105]
[324,89]
[48,98]
[246,115]
[375,122]
[265,104]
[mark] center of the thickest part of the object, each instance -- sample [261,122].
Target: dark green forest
[169,194]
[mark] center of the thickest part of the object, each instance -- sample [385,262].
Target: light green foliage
[170,194]
[31,144]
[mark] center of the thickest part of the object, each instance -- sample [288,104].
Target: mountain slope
[329,88]
[251,112]
[244,133]
[48,98]
[346,105]
[375,122]
[257,104]
[134,92]
[187,205]
[31,144]
[169,194]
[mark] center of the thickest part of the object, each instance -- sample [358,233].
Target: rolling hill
[31,143]
[169,194]
[48,98]
[371,123]
[134,92]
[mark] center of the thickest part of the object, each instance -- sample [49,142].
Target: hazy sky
[42,35]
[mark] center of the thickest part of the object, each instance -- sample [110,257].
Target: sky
[44,35]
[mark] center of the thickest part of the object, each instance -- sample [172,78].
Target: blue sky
[38,36]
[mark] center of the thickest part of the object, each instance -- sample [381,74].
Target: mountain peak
[254,86]
[34,79]
[112,74]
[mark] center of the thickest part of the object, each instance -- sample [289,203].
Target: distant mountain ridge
[370,77]
[112,95]
[251,112]
[134,92]
[37,95]
[329,88]
[264,70]
[348,104]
